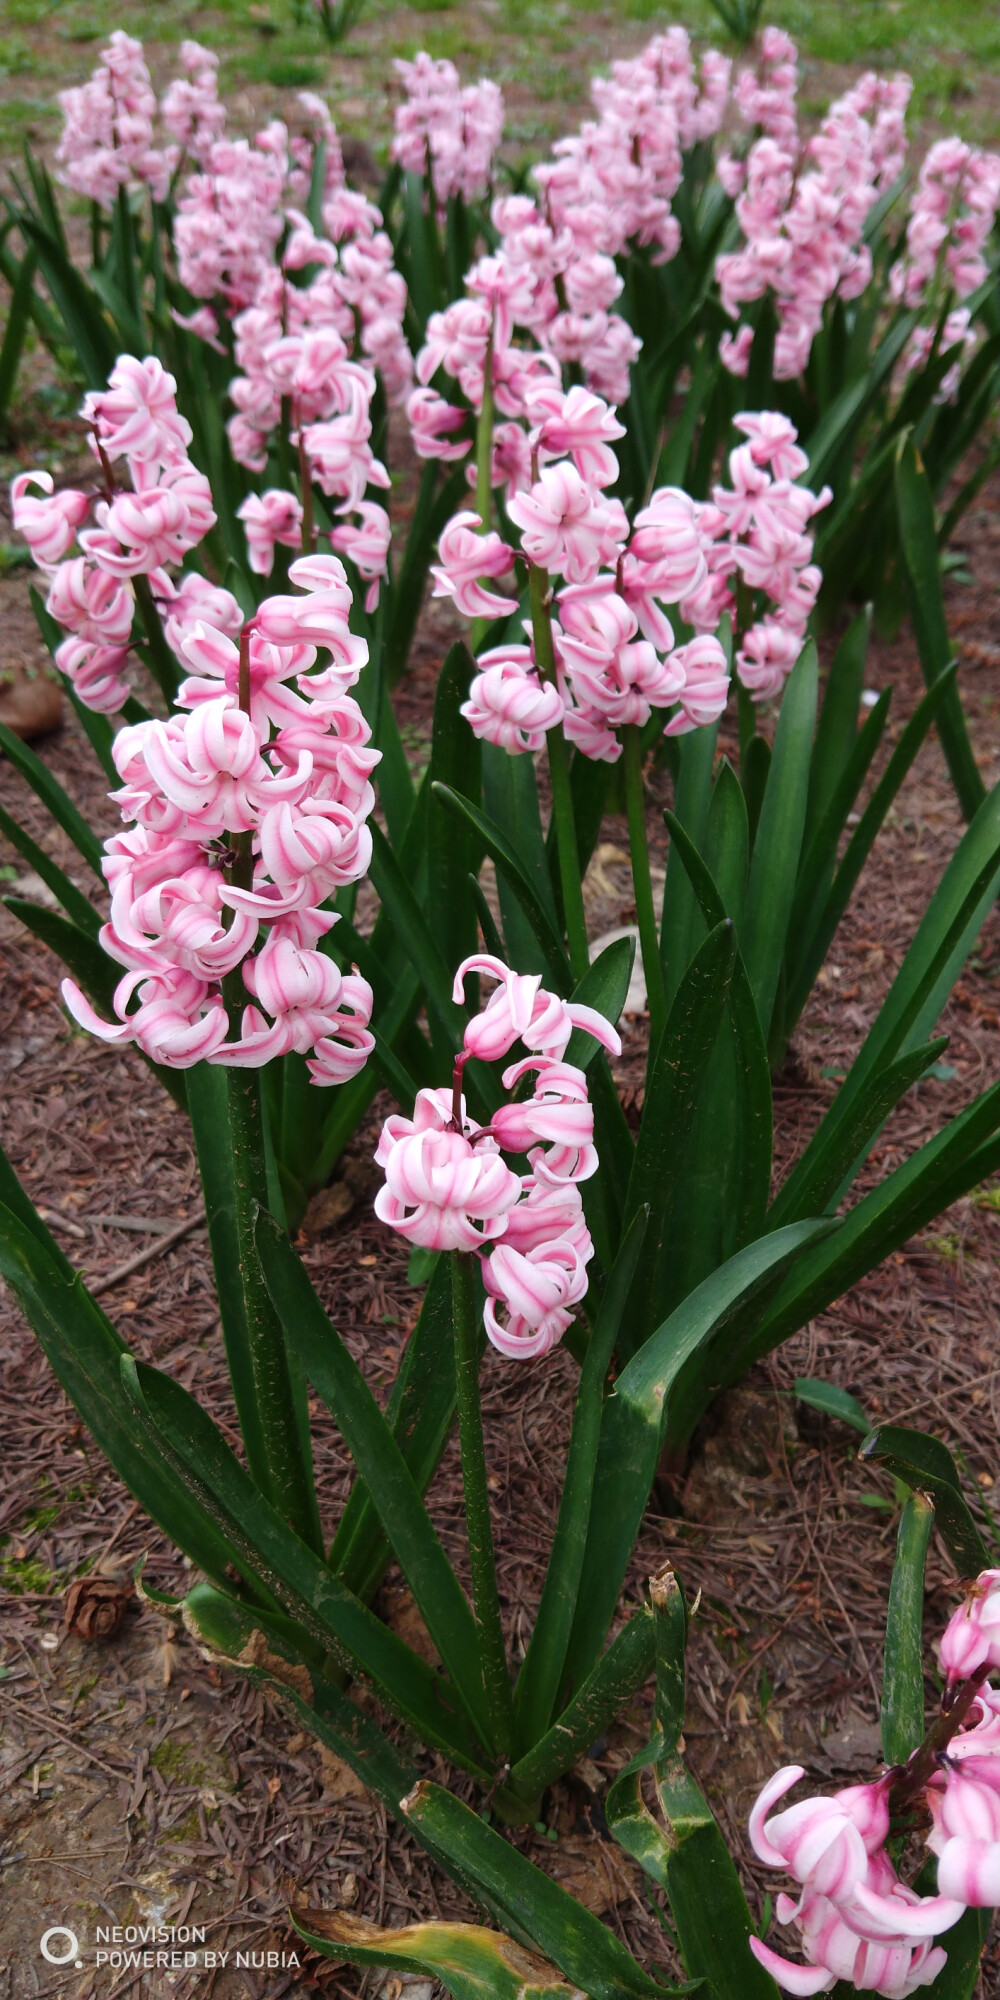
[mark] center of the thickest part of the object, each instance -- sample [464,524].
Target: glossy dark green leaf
[692,803]
[53,797]
[662,1160]
[831,1402]
[778,842]
[903,1671]
[958,1979]
[916,1191]
[926,1465]
[337,1378]
[420,1409]
[302,1584]
[84,1350]
[510,798]
[634,1415]
[503,855]
[273,1652]
[837,728]
[805,963]
[542,1671]
[834,1153]
[453,852]
[918,539]
[583,1948]
[607,1690]
[78,909]
[415,934]
[18,317]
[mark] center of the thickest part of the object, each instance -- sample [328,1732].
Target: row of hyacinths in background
[802,203]
[856,1920]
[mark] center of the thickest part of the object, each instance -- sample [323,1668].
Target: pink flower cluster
[107,139]
[756,530]
[445,131]
[615,657]
[449,1187]
[553,276]
[856,1920]
[952,215]
[802,205]
[158,520]
[244,811]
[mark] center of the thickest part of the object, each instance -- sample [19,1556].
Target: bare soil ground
[142,1785]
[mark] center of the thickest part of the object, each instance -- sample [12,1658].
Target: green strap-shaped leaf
[687,1856]
[90,966]
[540,1676]
[937,1174]
[88,329]
[946,935]
[337,1378]
[403,909]
[420,1409]
[510,798]
[778,842]
[85,1350]
[79,911]
[633,1420]
[275,1653]
[837,728]
[918,539]
[803,965]
[583,1948]
[839,422]
[304,1587]
[53,797]
[18,317]
[927,1465]
[724,1206]
[692,802]
[834,1153]
[832,1401]
[505,859]
[618,1675]
[453,852]
[958,1979]
[903,1673]
[661,1156]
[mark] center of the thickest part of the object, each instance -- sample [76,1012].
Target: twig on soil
[147,1255]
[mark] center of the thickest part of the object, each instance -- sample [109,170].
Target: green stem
[562,797]
[642,887]
[484,467]
[485,1597]
[284,1476]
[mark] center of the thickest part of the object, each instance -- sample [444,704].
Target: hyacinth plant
[610,624]
[854,1923]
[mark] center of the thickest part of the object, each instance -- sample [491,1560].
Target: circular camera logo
[60,1946]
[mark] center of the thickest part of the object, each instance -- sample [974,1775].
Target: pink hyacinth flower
[971,1640]
[539,1289]
[520,1009]
[440,1191]
[136,415]
[269,518]
[558,1115]
[49,526]
[966,1839]
[568,526]
[466,555]
[509,704]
